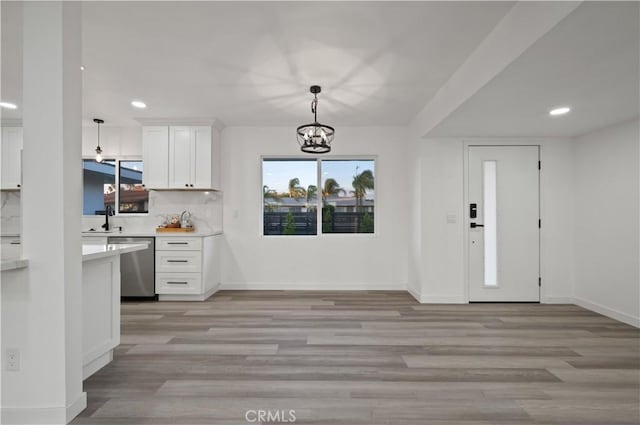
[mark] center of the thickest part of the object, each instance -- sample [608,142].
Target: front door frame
[465,202]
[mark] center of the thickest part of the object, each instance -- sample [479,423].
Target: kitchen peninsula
[100,297]
[101,303]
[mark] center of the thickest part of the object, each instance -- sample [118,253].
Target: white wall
[324,262]
[606,179]
[114,141]
[441,258]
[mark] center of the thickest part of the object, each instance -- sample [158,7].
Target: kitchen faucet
[107,213]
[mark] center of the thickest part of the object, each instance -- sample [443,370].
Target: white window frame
[319,161]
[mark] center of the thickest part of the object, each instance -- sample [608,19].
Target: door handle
[474,225]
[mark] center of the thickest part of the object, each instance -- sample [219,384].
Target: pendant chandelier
[315,137]
[98,149]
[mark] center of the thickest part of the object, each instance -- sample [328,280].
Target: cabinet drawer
[178,261]
[178,244]
[178,283]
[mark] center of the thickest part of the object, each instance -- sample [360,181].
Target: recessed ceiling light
[8,105]
[138,104]
[81,67]
[559,111]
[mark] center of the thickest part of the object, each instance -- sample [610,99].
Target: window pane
[348,196]
[290,197]
[134,198]
[490,223]
[99,181]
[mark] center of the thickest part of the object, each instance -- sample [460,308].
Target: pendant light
[315,137]
[98,150]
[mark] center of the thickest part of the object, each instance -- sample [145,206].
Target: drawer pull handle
[177,283]
[177,243]
[177,261]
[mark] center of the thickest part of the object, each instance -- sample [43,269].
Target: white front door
[503,218]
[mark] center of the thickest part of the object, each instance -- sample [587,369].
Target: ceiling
[590,62]
[251,63]
[379,63]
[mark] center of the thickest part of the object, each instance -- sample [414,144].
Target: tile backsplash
[205,208]
[10,213]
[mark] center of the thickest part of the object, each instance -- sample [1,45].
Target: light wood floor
[357,358]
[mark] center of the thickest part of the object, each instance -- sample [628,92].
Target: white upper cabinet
[190,159]
[155,156]
[11,158]
[181,157]
[201,158]
[180,147]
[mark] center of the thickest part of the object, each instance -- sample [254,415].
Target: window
[299,193]
[490,215]
[347,196]
[99,181]
[113,182]
[133,197]
[290,197]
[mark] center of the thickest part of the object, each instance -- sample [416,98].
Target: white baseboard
[443,299]
[606,311]
[96,364]
[556,300]
[312,286]
[44,415]
[414,292]
[76,407]
[186,297]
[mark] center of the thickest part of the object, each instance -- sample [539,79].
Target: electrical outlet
[13,359]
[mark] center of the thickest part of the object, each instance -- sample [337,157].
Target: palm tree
[361,183]
[270,193]
[295,190]
[312,191]
[331,187]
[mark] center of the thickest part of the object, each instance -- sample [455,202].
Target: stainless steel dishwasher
[137,269]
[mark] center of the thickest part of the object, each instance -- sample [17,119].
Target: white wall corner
[414,291]
[609,312]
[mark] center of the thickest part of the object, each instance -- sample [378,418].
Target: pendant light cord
[314,107]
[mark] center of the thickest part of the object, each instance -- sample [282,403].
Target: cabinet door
[201,171]
[180,157]
[155,157]
[11,157]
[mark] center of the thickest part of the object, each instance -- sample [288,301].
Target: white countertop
[95,251]
[12,258]
[152,233]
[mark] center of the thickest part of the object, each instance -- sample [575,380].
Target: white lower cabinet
[178,261]
[187,268]
[179,283]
